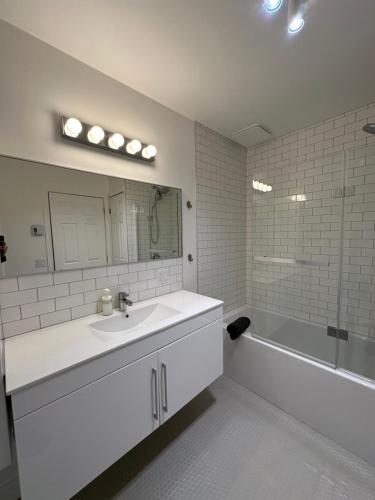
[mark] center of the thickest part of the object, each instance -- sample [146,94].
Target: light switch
[37,230]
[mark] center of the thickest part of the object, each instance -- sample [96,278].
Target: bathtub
[266,359]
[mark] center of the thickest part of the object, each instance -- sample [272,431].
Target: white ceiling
[224,63]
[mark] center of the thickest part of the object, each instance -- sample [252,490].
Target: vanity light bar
[259,186]
[94,135]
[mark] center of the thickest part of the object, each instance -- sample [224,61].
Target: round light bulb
[116,141]
[96,134]
[149,152]
[133,147]
[72,127]
[296,24]
[273,5]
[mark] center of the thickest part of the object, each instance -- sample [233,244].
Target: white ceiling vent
[252,135]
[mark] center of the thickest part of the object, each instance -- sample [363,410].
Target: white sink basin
[148,315]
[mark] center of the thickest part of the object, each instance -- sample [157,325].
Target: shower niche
[60,219]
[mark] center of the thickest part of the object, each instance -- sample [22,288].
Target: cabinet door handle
[165,390]
[155,402]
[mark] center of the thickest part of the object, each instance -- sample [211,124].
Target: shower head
[369,128]
[161,190]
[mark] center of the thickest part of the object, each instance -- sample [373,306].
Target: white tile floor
[230,444]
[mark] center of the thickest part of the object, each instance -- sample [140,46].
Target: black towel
[236,328]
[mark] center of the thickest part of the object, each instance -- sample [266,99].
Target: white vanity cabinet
[66,443]
[189,365]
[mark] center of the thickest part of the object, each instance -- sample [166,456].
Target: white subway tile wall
[296,239]
[28,303]
[300,219]
[221,217]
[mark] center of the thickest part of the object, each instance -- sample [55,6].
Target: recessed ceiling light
[296,14]
[273,5]
[296,24]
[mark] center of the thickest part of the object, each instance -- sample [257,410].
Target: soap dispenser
[107,302]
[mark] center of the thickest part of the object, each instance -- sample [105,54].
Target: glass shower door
[357,287]
[296,220]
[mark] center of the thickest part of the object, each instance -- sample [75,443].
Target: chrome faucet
[124,302]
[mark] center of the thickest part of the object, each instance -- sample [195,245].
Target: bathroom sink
[144,316]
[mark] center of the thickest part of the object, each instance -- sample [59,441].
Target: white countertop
[37,355]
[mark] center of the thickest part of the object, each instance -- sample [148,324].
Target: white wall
[39,83]
[25,203]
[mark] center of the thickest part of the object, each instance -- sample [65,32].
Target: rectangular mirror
[57,219]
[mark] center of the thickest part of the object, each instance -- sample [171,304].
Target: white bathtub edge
[335,403]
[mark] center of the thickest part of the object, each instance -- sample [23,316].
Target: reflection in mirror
[153,221]
[56,219]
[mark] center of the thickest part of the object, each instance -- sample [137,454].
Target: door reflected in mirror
[57,219]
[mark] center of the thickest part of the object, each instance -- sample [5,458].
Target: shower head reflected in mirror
[160,191]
